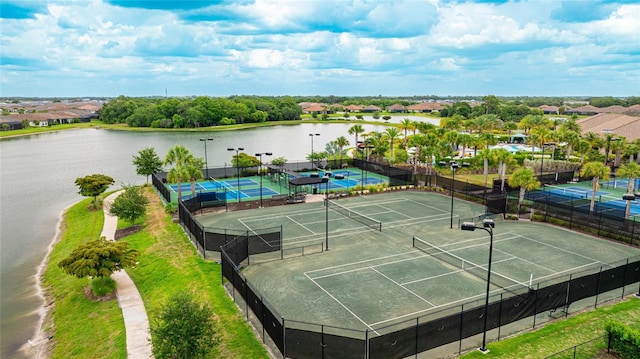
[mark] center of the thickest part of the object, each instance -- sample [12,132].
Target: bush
[227,121]
[624,340]
[103,287]
[184,329]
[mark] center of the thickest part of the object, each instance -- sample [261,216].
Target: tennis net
[502,281]
[567,192]
[369,222]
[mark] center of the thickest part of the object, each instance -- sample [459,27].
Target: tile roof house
[353,108]
[371,108]
[550,110]
[424,107]
[314,108]
[619,124]
[583,110]
[396,107]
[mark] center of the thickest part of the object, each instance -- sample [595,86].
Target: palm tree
[503,157]
[180,157]
[509,126]
[426,127]
[571,125]
[571,138]
[524,178]
[599,171]
[355,130]
[341,142]
[193,171]
[583,146]
[392,133]
[632,171]
[465,141]
[485,154]
[405,125]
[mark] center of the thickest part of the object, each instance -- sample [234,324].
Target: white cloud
[316,44]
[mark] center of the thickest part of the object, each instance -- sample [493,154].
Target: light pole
[259,155]
[542,159]
[325,179]
[312,135]
[454,167]
[365,161]
[487,225]
[206,163]
[237,150]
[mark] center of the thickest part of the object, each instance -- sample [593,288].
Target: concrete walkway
[135,316]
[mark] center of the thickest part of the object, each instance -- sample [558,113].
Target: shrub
[624,340]
[184,329]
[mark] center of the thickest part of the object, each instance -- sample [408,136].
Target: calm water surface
[37,175]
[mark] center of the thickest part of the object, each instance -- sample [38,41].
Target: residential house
[396,107]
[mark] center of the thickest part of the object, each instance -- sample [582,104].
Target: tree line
[198,112]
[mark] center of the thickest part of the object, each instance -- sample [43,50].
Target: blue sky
[301,47]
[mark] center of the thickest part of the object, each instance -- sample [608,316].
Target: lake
[37,175]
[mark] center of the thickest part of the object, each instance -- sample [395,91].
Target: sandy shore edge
[41,345]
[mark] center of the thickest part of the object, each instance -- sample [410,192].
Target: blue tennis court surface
[622,183]
[622,204]
[186,187]
[575,192]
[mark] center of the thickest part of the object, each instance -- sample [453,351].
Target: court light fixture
[259,155]
[237,151]
[206,162]
[487,225]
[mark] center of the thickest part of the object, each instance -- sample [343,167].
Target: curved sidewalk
[135,316]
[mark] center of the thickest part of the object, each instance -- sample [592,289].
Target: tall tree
[184,329]
[180,158]
[147,162]
[406,125]
[93,186]
[485,154]
[524,178]
[599,171]
[98,259]
[503,158]
[341,142]
[356,130]
[392,133]
[630,170]
[130,205]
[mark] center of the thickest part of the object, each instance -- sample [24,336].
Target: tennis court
[345,179]
[608,198]
[416,265]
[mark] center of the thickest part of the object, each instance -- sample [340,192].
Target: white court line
[454,272]
[426,205]
[300,224]
[526,261]
[389,210]
[567,270]
[254,232]
[359,262]
[403,287]
[565,250]
[342,305]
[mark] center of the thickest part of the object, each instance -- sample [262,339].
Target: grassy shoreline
[168,263]
[124,127]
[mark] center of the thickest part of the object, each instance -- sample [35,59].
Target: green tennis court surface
[370,279]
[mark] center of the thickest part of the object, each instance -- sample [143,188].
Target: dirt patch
[105,298]
[123,232]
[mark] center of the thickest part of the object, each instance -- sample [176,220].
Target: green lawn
[169,263]
[563,334]
[82,328]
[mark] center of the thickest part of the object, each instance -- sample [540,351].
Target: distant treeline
[199,111]
[191,112]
